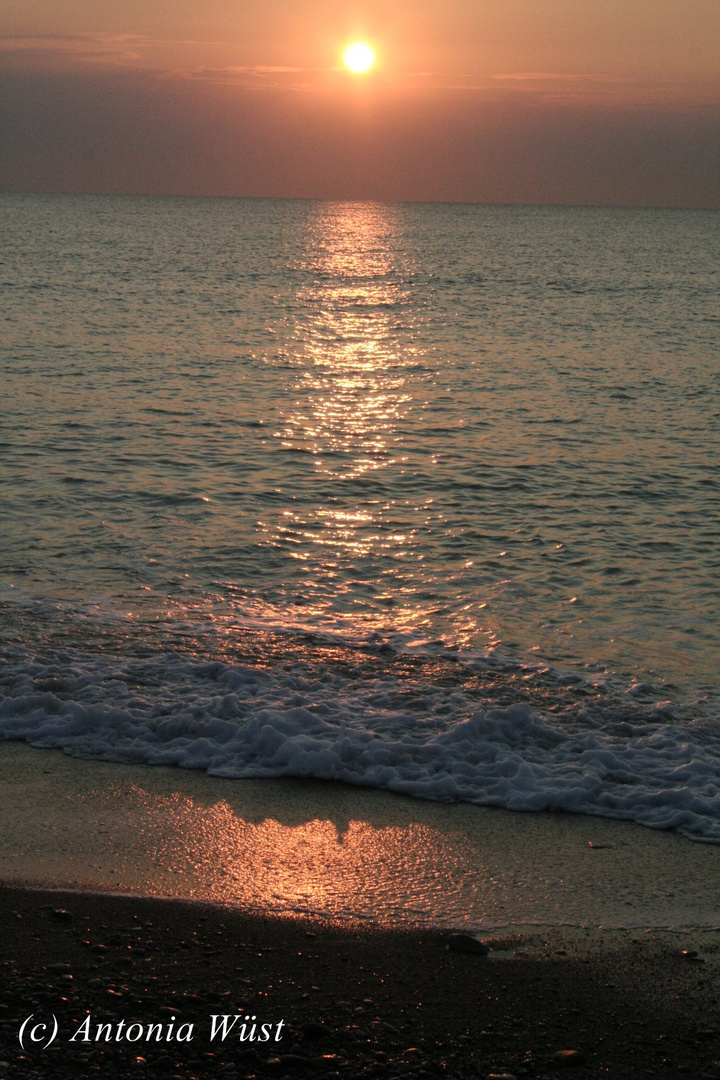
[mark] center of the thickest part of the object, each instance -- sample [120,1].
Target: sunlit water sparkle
[311,489]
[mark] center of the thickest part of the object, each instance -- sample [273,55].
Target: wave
[484,731]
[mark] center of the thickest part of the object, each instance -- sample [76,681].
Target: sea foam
[600,753]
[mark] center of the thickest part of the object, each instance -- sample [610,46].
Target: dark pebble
[61,914]
[466,943]
[564,1059]
[313,1030]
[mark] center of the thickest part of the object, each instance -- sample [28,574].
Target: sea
[415,497]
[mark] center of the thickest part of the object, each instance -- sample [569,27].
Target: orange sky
[480,100]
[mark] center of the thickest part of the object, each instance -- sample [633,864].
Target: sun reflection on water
[354,347]
[349,346]
[318,865]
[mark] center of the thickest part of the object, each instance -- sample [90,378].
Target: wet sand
[312,847]
[253,899]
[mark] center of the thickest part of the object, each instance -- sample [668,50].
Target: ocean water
[417,497]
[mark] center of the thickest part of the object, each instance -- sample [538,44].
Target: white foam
[604,756]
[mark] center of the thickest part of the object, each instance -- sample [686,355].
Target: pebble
[299,1061]
[313,1030]
[466,943]
[412,1046]
[61,914]
[564,1059]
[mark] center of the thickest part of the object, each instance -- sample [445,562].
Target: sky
[600,102]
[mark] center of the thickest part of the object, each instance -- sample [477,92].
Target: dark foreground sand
[354,1002]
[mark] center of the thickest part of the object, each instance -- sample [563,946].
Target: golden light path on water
[350,360]
[363,385]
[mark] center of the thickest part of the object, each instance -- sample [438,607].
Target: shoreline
[354,1001]
[298,847]
[383,998]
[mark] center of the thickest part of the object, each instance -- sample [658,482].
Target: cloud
[124,131]
[257,76]
[193,61]
[564,87]
[153,57]
[68,51]
[107,47]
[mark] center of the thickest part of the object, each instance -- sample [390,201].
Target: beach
[329,850]
[105,918]
[354,1000]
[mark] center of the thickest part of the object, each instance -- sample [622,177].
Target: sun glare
[359,57]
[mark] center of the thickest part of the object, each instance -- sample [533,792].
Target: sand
[294,846]
[353,1001]
[272,887]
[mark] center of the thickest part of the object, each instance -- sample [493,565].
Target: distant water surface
[418,496]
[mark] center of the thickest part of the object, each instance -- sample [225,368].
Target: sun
[359,57]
